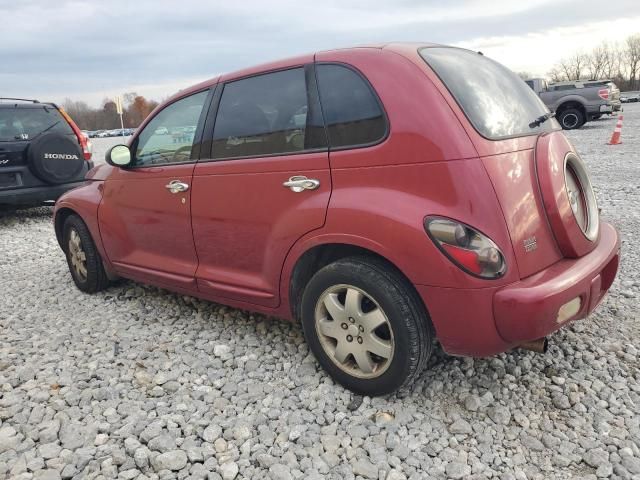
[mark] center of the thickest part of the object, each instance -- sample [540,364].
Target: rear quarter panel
[426,166]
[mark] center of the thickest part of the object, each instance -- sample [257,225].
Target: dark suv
[42,152]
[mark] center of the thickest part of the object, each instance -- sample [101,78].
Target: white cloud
[86,50]
[537,52]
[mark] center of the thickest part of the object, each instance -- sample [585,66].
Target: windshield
[494,99]
[26,123]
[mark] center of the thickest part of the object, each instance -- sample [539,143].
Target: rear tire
[85,264]
[571,118]
[359,305]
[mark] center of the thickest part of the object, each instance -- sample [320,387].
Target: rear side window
[26,123]
[565,87]
[268,114]
[495,100]
[351,110]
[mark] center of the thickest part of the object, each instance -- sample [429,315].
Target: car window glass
[351,111]
[27,123]
[265,115]
[495,100]
[168,137]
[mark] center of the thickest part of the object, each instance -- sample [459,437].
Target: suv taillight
[82,140]
[603,93]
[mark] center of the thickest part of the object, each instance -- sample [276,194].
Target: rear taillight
[470,250]
[82,140]
[603,93]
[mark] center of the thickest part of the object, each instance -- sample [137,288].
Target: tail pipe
[540,345]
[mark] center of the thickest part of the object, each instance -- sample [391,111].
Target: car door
[265,184]
[145,214]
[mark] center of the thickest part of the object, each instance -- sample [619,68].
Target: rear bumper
[35,195]
[531,308]
[484,322]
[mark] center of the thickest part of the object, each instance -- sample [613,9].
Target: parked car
[629,97]
[42,152]
[576,103]
[428,194]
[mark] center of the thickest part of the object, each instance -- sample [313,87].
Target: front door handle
[300,183]
[176,186]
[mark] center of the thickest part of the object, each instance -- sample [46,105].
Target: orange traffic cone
[615,138]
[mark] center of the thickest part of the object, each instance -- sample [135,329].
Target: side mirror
[118,156]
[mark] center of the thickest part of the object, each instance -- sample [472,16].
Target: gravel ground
[139,383]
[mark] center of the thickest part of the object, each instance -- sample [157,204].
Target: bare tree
[612,60]
[556,74]
[573,67]
[632,57]
[597,61]
[619,62]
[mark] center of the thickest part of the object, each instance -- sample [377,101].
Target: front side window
[168,137]
[267,114]
[351,111]
[494,99]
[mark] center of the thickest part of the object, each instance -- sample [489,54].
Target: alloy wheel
[570,120]
[77,255]
[354,331]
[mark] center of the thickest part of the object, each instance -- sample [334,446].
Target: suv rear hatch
[528,172]
[20,124]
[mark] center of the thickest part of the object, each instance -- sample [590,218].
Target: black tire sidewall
[96,278]
[396,304]
[568,112]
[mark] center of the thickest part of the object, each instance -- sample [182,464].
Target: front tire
[83,259]
[571,118]
[366,325]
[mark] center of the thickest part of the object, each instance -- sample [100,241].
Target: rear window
[495,100]
[20,123]
[351,110]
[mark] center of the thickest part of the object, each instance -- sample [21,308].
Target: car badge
[530,244]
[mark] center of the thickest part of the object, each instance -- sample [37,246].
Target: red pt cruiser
[384,197]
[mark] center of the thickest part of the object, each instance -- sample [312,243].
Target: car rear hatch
[525,156]
[20,123]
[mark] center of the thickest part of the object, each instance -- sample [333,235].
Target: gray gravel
[139,383]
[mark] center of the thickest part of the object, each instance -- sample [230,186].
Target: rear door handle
[176,186]
[299,183]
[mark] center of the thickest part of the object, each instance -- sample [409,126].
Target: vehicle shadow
[594,126]
[8,213]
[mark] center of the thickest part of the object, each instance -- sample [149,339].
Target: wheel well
[322,255]
[571,104]
[61,217]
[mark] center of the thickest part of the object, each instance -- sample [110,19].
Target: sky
[89,50]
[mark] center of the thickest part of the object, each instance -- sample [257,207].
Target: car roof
[27,105]
[284,63]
